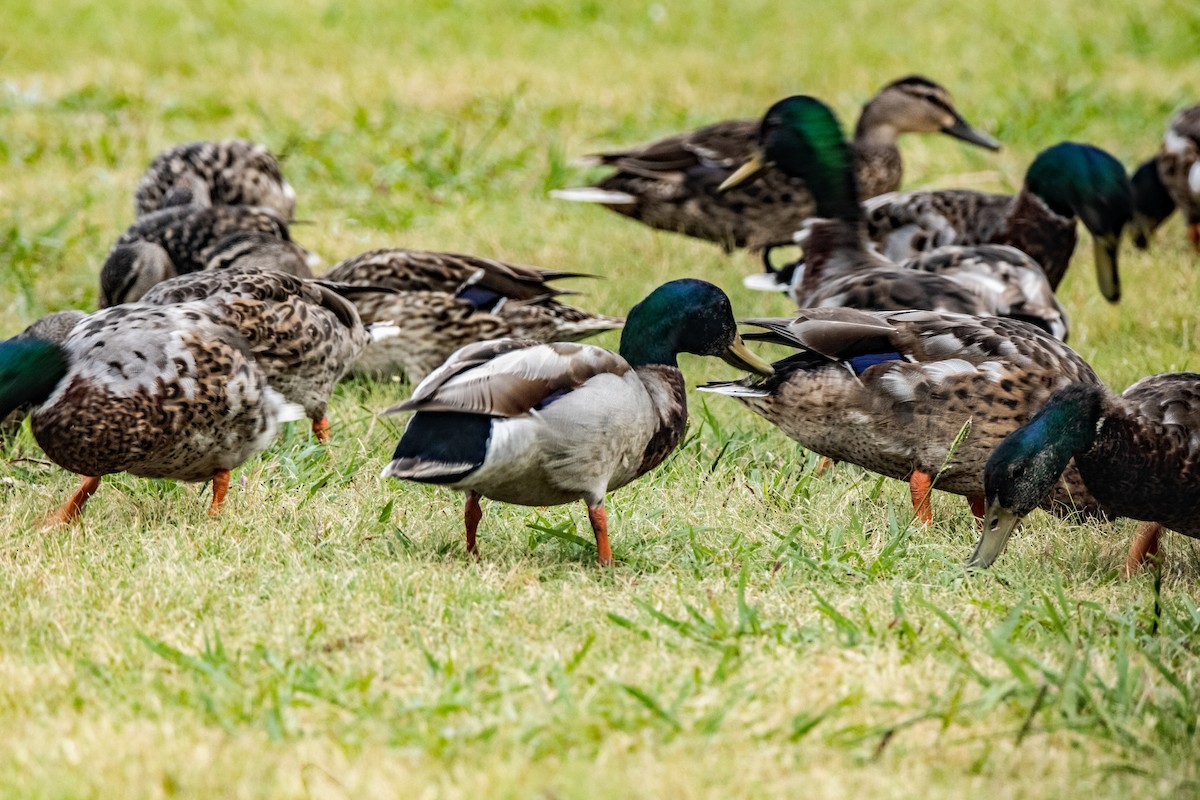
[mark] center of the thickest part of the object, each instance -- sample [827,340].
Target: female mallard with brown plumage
[892,391]
[671,184]
[1138,454]
[801,136]
[177,241]
[233,172]
[443,301]
[1066,182]
[547,424]
[304,334]
[155,391]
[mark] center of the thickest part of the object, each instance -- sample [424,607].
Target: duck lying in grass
[547,424]
[893,391]
[443,301]
[158,392]
[672,183]
[1138,455]
[1065,182]
[233,172]
[304,334]
[801,136]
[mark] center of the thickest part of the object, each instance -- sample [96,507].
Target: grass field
[766,631]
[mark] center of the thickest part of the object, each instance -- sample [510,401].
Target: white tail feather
[380,331]
[292,412]
[764,282]
[734,389]
[590,194]
[1194,178]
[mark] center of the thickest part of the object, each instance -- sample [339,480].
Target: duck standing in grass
[1138,455]
[304,334]
[801,136]
[547,424]
[1066,182]
[177,241]
[1177,168]
[893,392]
[443,301]
[672,183]
[232,172]
[158,392]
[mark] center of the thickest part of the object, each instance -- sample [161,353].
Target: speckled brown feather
[188,234]
[904,414]
[1178,157]
[1145,462]
[435,320]
[160,392]
[303,333]
[673,181]
[229,172]
[909,223]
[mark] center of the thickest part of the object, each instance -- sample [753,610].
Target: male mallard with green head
[671,184]
[1138,454]
[801,136]
[1066,182]
[547,424]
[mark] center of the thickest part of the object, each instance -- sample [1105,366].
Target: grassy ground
[766,631]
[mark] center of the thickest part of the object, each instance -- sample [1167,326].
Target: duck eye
[1017,473]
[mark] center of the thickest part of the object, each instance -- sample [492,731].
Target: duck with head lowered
[1065,183]
[671,184]
[1137,453]
[548,424]
[801,136]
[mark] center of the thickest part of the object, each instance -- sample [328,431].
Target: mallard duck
[547,424]
[233,172]
[1138,454]
[1152,203]
[1065,182]
[800,136]
[155,391]
[445,300]
[55,327]
[178,241]
[672,183]
[1179,167]
[304,334]
[892,391]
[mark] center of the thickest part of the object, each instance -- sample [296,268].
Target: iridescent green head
[801,137]
[30,369]
[686,316]
[1079,180]
[1027,464]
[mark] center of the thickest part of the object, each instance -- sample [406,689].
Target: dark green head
[1079,180]
[1027,464]
[801,137]
[686,316]
[30,368]
[1152,204]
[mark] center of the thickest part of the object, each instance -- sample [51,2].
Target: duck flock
[928,346]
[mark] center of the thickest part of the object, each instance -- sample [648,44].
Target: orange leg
[920,484]
[321,429]
[1194,235]
[978,509]
[472,513]
[826,463]
[599,519]
[1145,545]
[220,485]
[71,509]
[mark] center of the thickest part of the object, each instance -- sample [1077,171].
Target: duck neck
[668,397]
[1047,237]
[30,370]
[835,247]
